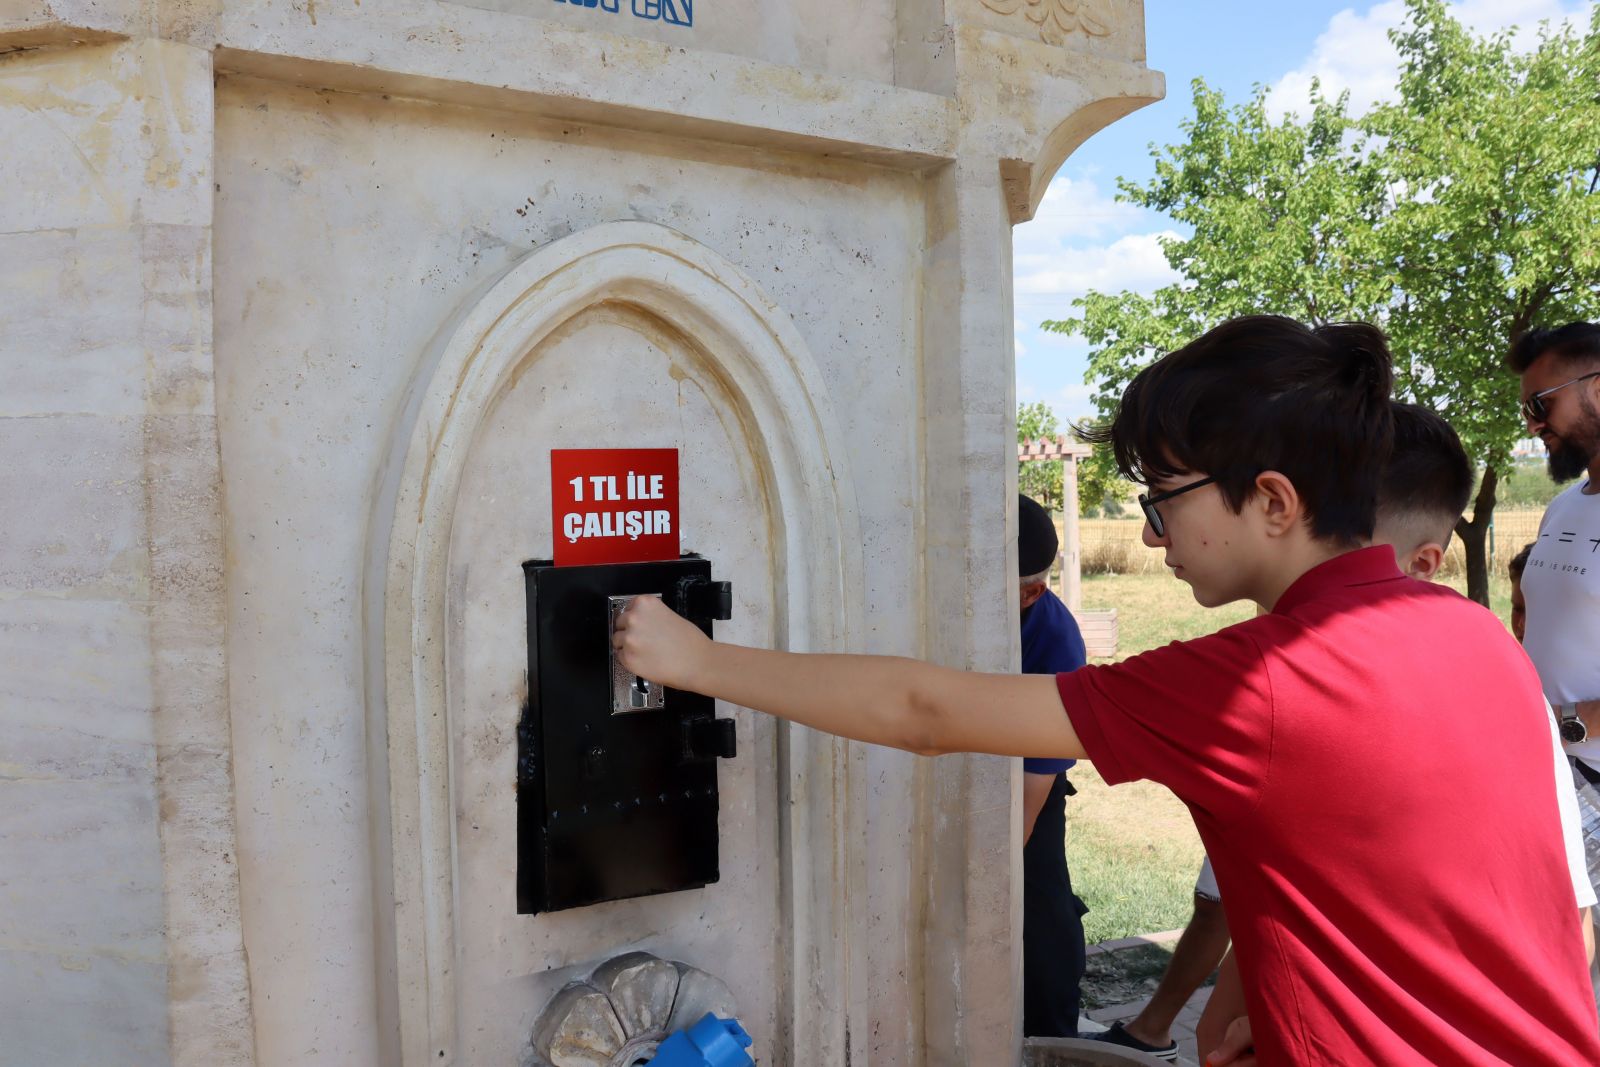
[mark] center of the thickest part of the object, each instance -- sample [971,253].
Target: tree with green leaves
[1040,480]
[1100,489]
[1455,217]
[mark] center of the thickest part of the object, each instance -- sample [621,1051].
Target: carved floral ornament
[1058,18]
[624,1010]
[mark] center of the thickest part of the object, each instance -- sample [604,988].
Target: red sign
[614,505]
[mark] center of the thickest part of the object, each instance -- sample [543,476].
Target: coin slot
[629,692]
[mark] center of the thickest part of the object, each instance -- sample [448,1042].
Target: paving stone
[1183,1026]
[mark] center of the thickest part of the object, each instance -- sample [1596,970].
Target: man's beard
[1572,453]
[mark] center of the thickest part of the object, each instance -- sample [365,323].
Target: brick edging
[1162,937]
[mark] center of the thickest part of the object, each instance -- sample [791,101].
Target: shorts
[1589,828]
[1205,885]
[1589,825]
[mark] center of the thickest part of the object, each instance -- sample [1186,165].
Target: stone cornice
[491,59]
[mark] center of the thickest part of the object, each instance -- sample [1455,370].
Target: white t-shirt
[1562,587]
[1571,832]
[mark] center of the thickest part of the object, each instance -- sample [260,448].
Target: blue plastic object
[711,1042]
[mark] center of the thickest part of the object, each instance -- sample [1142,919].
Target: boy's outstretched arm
[902,703]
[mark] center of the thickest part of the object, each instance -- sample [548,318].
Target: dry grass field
[1133,850]
[1112,546]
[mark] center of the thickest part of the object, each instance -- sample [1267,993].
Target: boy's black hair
[1428,472]
[1576,342]
[1519,562]
[1262,393]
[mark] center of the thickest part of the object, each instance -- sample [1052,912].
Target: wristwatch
[1572,729]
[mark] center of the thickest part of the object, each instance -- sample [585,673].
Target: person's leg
[1052,925]
[1052,964]
[1199,951]
[1226,1004]
[1075,949]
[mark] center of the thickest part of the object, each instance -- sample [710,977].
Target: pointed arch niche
[746,340]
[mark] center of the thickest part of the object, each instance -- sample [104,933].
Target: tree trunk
[1475,537]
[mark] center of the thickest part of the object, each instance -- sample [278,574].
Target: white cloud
[1055,376]
[1354,52]
[1075,208]
[1081,239]
[1134,261]
[1072,403]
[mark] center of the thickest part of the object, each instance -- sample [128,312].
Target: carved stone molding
[624,1010]
[761,355]
[1056,19]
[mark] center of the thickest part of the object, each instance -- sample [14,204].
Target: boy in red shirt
[1388,905]
[1425,488]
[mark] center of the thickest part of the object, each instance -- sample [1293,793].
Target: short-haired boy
[1425,488]
[1387,905]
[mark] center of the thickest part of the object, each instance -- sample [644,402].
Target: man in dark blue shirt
[1052,915]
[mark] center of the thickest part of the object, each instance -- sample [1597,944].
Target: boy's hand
[658,644]
[1237,1047]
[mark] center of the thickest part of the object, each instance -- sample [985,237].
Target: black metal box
[616,779]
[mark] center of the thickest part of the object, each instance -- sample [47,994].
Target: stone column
[1029,92]
[116,827]
[973,973]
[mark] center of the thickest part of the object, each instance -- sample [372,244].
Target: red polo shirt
[1369,768]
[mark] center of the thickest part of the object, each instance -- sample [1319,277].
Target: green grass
[1133,851]
[1154,609]
[1499,593]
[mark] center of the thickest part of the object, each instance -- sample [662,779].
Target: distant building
[1529,448]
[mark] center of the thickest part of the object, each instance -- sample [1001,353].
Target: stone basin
[1076,1052]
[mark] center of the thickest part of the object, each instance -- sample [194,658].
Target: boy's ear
[1425,561]
[1279,502]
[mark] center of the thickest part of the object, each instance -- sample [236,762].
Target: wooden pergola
[1099,627]
[1069,454]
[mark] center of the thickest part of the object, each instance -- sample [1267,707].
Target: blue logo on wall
[677,12]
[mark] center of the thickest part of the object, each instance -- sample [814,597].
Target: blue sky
[1082,238]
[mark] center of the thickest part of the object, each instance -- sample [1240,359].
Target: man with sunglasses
[1560,371]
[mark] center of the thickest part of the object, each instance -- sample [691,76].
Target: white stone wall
[113,731]
[326,306]
[298,295]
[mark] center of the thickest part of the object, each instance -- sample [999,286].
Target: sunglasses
[1147,503]
[1536,410]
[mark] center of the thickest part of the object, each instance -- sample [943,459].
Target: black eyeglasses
[1536,410]
[1147,504]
